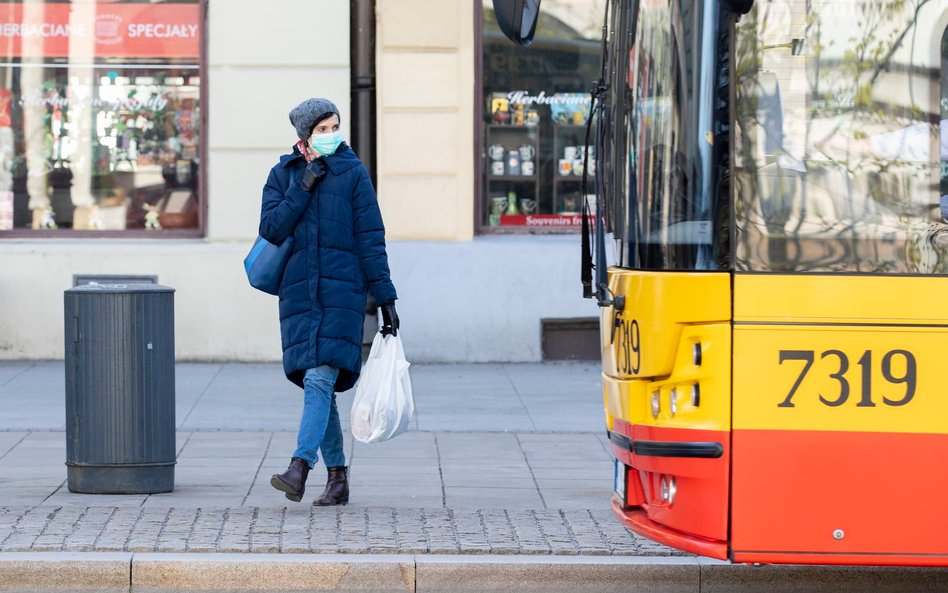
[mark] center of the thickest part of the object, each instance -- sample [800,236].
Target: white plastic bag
[383,406]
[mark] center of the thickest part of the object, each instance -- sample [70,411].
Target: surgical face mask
[325,144]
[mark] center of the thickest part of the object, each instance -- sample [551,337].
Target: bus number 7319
[908,377]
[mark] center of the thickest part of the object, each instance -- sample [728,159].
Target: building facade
[136,138]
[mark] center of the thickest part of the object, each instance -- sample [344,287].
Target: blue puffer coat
[338,255]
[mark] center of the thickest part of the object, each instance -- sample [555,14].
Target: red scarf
[304,150]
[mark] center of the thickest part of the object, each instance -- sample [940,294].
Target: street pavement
[502,458]
[503,484]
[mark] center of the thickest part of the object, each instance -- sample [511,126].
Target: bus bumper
[637,520]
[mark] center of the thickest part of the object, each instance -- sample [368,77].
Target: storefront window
[100,118]
[535,105]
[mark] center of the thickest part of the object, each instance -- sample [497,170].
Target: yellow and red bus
[775,188]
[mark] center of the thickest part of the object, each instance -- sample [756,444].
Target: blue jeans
[320,428]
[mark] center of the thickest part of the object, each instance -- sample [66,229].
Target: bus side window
[943,144]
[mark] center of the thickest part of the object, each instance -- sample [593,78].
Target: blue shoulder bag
[265,264]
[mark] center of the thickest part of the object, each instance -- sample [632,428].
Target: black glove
[389,319]
[313,172]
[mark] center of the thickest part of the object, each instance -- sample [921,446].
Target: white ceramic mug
[497,168]
[527,151]
[526,168]
[571,153]
[565,166]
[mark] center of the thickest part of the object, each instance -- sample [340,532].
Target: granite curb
[382,573]
[28,572]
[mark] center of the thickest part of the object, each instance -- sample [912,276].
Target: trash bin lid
[118,288]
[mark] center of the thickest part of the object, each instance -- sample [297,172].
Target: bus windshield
[841,140]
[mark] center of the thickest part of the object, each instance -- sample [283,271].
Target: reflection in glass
[840,135]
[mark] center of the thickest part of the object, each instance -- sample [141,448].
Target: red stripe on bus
[848,494]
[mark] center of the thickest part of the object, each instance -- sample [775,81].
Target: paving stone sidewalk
[380,530]
[501,459]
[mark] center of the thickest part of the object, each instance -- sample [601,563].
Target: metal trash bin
[120,418]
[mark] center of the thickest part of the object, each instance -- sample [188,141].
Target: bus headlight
[668,488]
[673,401]
[656,405]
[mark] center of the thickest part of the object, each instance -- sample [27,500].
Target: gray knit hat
[310,112]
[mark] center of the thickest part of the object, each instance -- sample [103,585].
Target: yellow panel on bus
[700,389]
[641,341]
[840,299]
[871,378]
[850,353]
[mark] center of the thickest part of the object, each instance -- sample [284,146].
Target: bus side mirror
[741,6]
[517,19]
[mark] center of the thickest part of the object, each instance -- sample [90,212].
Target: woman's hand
[313,172]
[389,319]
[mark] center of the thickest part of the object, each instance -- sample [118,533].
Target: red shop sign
[550,221]
[87,30]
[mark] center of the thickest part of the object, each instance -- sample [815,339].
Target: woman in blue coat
[321,195]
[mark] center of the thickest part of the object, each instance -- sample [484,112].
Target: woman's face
[327,126]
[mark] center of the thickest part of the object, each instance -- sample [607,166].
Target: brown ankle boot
[293,480]
[337,488]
